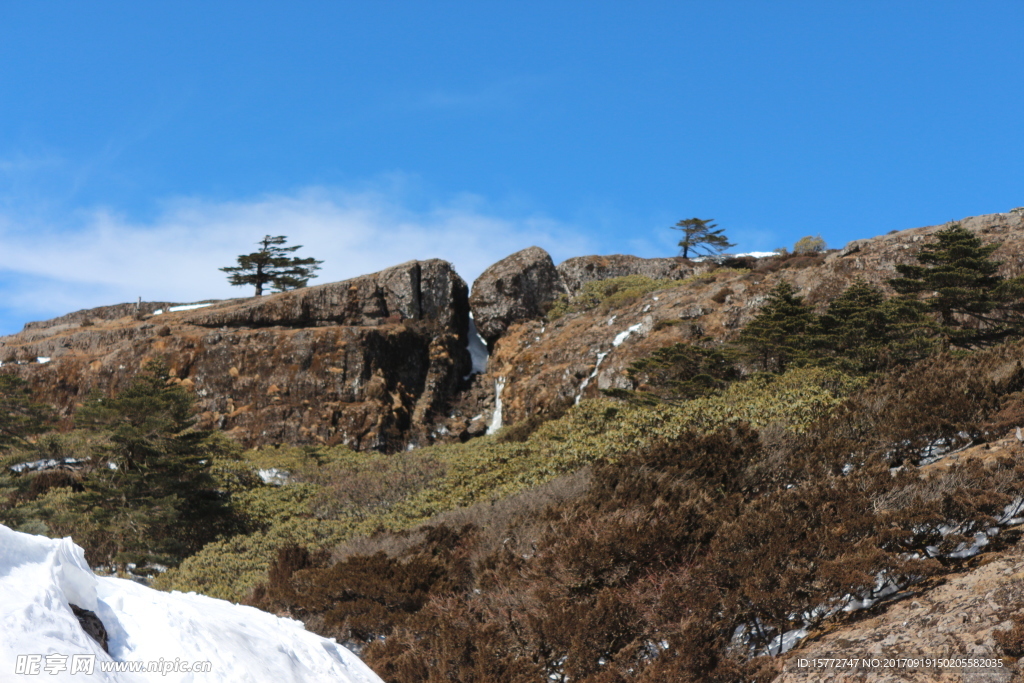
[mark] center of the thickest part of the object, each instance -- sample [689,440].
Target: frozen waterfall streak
[477,348]
[499,386]
[619,338]
[597,366]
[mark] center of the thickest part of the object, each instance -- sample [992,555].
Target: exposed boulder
[92,625]
[576,272]
[515,288]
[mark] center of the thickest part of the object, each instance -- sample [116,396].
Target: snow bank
[41,577]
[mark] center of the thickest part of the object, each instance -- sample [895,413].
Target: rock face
[515,288]
[92,625]
[576,272]
[417,290]
[954,620]
[370,362]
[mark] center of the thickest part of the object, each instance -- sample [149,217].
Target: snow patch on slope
[597,366]
[185,307]
[619,338]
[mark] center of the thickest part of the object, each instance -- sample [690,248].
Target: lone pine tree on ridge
[700,235]
[271,265]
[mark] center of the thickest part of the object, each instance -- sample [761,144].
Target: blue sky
[143,145]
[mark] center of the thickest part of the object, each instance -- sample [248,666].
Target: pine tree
[680,372]
[19,415]
[700,235]
[777,336]
[862,331]
[151,496]
[271,265]
[960,284]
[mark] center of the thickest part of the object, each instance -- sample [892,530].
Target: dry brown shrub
[681,544]
[44,481]
[720,296]
[1011,640]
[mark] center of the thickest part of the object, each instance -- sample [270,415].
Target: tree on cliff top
[271,265]
[700,235]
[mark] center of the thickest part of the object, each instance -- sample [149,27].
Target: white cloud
[104,258]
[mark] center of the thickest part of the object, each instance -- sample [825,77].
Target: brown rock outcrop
[576,272]
[417,290]
[513,289]
[91,315]
[370,362]
[381,361]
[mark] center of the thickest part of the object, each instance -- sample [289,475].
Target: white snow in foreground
[42,359]
[40,577]
[185,307]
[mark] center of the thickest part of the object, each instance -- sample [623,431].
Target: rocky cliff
[371,362]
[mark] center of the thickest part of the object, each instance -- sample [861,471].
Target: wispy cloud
[101,257]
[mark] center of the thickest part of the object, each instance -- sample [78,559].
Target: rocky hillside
[956,617]
[541,364]
[382,361]
[600,502]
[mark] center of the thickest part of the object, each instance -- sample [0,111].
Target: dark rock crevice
[92,625]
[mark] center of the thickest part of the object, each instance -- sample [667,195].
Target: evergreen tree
[862,331]
[700,235]
[680,372]
[960,283]
[19,415]
[271,265]
[151,496]
[777,336]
